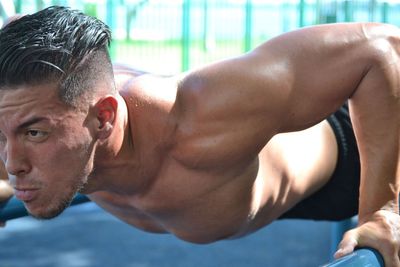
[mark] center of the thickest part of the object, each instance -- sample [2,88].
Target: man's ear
[106,113]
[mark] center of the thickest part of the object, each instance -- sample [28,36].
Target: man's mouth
[25,194]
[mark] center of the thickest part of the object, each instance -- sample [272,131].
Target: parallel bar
[359,258]
[338,230]
[14,208]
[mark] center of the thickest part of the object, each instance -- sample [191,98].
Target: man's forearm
[375,110]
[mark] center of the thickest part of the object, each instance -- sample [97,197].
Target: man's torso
[190,195]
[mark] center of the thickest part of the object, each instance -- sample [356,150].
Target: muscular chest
[195,205]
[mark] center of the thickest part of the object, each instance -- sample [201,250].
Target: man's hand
[380,231]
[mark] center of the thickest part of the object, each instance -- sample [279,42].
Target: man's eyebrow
[30,122]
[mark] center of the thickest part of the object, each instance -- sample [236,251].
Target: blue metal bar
[338,230]
[14,208]
[359,258]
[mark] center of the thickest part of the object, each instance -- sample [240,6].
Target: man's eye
[36,135]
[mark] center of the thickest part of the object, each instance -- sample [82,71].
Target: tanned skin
[223,150]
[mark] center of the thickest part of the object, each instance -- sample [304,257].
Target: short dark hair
[59,45]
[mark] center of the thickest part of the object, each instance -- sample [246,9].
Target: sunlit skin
[206,155]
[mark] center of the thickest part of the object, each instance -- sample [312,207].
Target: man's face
[46,146]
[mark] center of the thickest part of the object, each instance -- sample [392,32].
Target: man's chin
[45,215]
[43,212]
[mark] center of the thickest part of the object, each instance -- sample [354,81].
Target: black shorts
[338,198]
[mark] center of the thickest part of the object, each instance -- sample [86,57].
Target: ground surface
[85,236]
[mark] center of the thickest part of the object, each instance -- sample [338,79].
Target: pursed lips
[25,194]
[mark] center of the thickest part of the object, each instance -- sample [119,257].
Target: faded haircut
[56,45]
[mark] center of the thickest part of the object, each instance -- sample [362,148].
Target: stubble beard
[59,205]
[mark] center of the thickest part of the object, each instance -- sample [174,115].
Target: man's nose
[16,162]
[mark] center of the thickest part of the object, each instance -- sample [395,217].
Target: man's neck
[117,158]
[144,132]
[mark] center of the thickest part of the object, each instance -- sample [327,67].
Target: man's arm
[294,81]
[289,83]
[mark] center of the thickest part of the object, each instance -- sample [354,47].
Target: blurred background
[167,37]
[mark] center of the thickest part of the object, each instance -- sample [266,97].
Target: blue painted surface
[85,236]
[281,244]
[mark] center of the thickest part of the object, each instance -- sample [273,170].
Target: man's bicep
[287,84]
[295,80]
[326,65]
[322,65]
